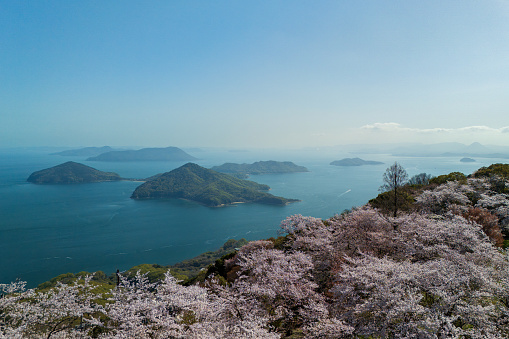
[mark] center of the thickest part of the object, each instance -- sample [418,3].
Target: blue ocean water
[47,230]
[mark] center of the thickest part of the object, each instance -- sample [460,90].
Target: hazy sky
[253,73]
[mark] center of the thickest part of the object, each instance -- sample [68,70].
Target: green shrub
[154,272]
[454,176]
[385,201]
[501,170]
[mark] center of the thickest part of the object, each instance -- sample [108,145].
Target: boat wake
[345,192]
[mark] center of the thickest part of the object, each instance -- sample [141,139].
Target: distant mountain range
[447,149]
[71,173]
[87,151]
[145,154]
[260,167]
[207,187]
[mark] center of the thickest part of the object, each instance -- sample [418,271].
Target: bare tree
[394,177]
[420,179]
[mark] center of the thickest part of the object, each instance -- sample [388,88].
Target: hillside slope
[207,187]
[71,173]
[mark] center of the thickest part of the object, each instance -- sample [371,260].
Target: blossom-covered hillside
[436,270]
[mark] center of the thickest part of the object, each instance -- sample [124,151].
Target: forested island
[355,162]
[205,186]
[71,173]
[145,154]
[260,167]
[466,159]
[426,258]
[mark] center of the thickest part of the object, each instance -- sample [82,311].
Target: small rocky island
[355,162]
[71,173]
[145,154]
[205,186]
[260,167]
[467,160]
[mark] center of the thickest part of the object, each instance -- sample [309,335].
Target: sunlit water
[47,230]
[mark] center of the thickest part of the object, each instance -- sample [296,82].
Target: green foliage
[154,272]
[260,167]
[453,176]
[233,244]
[497,174]
[506,244]
[501,170]
[428,299]
[197,266]
[190,270]
[205,186]
[71,173]
[218,269]
[498,184]
[281,242]
[385,201]
[99,278]
[101,282]
[473,197]
[65,278]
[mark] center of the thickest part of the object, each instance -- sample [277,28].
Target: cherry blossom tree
[141,309]
[66,310]
[444,278]
[433,273]
[442,198]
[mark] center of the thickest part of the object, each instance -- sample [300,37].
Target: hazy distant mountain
[145,154]
[71,173]
[87,151]
[207,187]
[477,148]
[354,162]
[260,167]
[446,149]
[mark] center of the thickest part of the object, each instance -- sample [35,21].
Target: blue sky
[253,73]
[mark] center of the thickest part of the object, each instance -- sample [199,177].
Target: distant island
[71,173]
[467,160]
[205,186]
[85,152]
[145,154]
[354,162]
[260,167]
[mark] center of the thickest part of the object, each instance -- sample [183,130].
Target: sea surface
[47,230]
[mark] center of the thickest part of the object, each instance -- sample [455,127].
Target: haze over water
[47,230]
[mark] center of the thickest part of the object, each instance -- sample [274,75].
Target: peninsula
[354,162]
[205,186]
[260,167]
[145,154]
[71,173]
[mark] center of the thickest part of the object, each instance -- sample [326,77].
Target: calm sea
[47,230]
